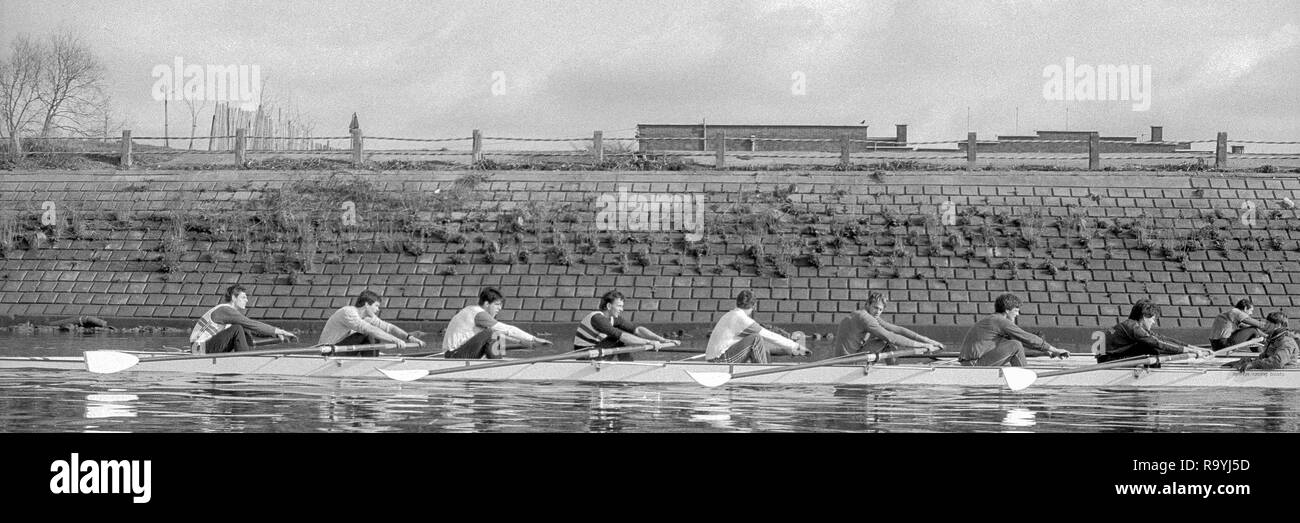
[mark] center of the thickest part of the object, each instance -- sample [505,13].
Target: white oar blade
[710,379]
[109,361]
[405,375]
[1018,378]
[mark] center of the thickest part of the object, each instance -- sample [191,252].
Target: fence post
[844,152]
[721,138]
[126,150]
[358,146]
[241,146]
[970,150]
[598,146]
[1221,151]
[476,155]
[1094,151]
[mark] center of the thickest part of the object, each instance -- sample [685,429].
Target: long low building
[703,137]
[1077,142]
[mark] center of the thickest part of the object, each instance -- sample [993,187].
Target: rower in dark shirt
[1135,337]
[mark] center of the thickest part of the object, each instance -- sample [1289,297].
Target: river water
[78,401]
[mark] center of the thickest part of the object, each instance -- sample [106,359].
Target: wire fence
[655,152]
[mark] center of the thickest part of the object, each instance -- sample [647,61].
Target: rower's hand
[541,341]
[936,344]
[801,351]
[1053,352]
[1199,352]
[673,343]
[417,341]
[400,344]
[285,335]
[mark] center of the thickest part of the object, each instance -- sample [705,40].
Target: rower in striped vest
[607,328]
[225,328]
[475,333]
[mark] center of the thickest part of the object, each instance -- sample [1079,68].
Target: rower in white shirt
[474,332]
[737,338]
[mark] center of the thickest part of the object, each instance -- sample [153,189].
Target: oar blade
[1018,378]
[405,374]
[109,361]
[710,379]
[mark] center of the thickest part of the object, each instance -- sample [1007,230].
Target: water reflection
[1018,417]
[110,406]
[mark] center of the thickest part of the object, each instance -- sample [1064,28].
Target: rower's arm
[646,334]
[877,329]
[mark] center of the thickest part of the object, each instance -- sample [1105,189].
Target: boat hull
[942,373]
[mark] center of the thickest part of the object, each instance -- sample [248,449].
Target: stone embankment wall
[1080,248]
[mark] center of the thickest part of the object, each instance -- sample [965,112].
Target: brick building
[1029,144]
[702,137]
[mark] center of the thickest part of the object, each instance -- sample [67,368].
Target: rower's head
[1276,320]
[235,295]
[1008,305]
[745,300]
[1145,312]
[876,301]
[611,303]
[491,300]
[368,302]
[1246,306]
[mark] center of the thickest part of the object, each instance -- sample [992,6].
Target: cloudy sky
[565,68]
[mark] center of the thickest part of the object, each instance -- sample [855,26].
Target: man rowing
[1135,337]
[996,340]
[475,333]
[1235,325]
[359,324]
[1279,347]
[225,328]
[607,328]
[737,338]
[865,330]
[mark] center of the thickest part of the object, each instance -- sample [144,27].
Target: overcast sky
[561,69]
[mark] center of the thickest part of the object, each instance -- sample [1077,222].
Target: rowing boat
[946,372]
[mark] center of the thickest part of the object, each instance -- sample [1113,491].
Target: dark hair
[366,298]
[1278,318]
[1005,303]
[609,298]
[1245,303]
[746,299]
[1144,308]
[489,295]
[876,297]
[233,291]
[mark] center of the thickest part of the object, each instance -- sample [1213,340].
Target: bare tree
[20,103]
[195,107]
[71,85]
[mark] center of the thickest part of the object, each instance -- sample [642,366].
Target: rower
[607,328]
[737,338]
[359,324]
[864,330]
[996,340]
[475,333]
[1135,337]
[1235,325]
[225,328]
[1279,347]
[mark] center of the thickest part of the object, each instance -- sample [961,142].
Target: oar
[1018,378]
[714,379]
[415,374]
[110,361]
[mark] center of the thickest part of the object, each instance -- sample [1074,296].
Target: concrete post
[844,152]
[970,150]
[241,146]
[358,146]
[126,150]
[598,146]
[1094,151]
[476,154]
[900,135]
[1221,152]
[721,160]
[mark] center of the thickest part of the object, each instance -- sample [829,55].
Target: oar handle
[1139,361]
[322,349]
